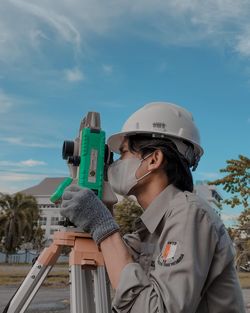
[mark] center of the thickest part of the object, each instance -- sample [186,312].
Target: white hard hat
[163,120]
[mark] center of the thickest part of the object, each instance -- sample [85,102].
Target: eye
[123,153]
[123,150]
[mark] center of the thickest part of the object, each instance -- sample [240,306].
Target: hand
[83,208]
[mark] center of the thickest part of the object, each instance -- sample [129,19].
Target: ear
[156,160]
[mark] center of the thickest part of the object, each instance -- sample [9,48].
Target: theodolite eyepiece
[68,149]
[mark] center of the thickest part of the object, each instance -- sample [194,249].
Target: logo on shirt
[170,254]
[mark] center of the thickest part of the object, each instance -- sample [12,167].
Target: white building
[50,213]
[209,193]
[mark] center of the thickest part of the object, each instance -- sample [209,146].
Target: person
[180,257]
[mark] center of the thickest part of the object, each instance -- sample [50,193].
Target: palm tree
[18,220]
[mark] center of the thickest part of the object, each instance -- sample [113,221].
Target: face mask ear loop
[138,179]
[146,156]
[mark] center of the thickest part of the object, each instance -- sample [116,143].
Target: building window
[216,196]
[47,206]
[52,231]
[43,220]
[55,220]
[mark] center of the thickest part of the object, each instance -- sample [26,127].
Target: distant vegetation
[236,183]
[19,215]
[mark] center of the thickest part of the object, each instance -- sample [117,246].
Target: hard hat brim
[114,141]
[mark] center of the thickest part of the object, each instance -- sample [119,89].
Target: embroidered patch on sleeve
[170,254]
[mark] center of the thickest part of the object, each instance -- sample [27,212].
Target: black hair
[176,166]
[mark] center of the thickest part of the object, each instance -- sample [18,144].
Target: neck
[146,192]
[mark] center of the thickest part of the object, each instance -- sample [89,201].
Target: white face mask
[121,174]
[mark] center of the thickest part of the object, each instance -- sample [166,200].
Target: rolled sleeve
[133,291]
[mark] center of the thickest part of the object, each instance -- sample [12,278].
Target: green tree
[18,220]
[233,233]
[236,182]
[242,239]
[125,213]
[38,237]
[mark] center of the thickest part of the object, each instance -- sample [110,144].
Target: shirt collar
[154,213]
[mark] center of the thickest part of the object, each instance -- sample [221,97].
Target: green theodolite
[88,158]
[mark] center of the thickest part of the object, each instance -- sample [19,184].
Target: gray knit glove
[84,209]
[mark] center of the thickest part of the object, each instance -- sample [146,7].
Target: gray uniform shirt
[183,260]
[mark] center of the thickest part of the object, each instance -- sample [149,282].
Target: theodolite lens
[68,149]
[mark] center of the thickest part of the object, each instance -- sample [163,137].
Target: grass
[15,274]
[59,277]
[244,280]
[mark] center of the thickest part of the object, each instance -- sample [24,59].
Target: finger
[65,204]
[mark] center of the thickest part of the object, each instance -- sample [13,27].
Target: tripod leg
[81,290]
[29,288]
[102,290]
[33,280]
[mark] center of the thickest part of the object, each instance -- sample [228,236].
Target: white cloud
[107,69]
[13,140]
[11,182]
[208,175]
[189,22]
[20,126]
[74,75]
[21,142]
[25,163]
[46,14]
[20,177]
[14,175]
[7,188]
[24,26]
[31,163]
[37,36]
[6,102]
[243,43]
[229,219]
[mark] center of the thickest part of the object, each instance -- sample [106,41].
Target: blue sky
[60,59]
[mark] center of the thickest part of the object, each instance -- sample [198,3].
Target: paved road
[56,300]
[47,300]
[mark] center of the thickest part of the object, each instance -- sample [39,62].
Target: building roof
[45,188]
